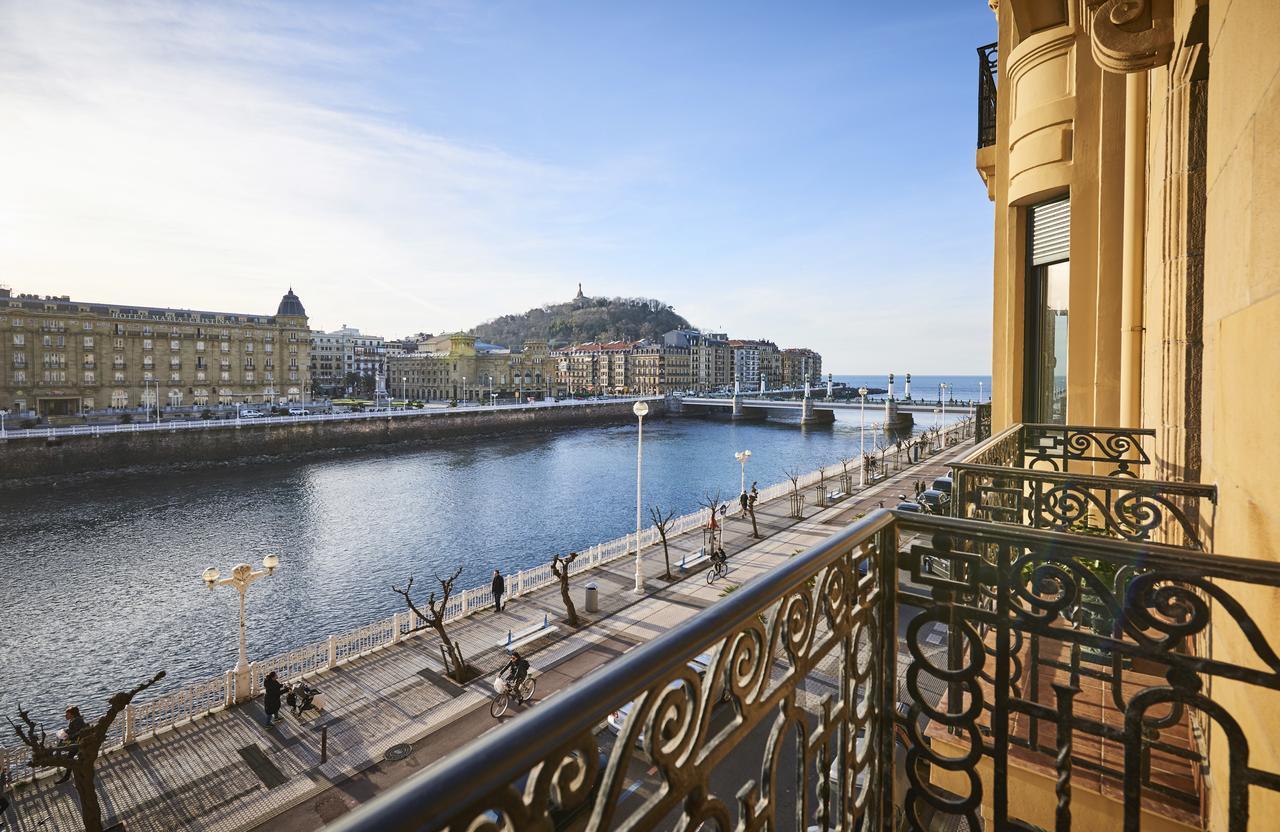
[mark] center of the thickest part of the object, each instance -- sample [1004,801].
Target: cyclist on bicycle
[515,672]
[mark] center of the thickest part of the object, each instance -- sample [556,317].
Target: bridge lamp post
[742,457]
[641,409]
[3,413]
[242,575]
[862,439]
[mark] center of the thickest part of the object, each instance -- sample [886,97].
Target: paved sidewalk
[225,771]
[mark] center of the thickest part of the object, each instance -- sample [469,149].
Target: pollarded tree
[797,499]
[79,757]
[560,568]
[661,522]
[711,502]
[434,618]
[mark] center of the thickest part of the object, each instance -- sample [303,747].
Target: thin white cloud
[175,153]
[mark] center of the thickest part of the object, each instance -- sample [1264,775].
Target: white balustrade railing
[223,423]
[198,699]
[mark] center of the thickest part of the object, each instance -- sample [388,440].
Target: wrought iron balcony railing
[987,95]
[1045,476]
[851,687]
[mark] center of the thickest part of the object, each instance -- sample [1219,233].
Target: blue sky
[802,172]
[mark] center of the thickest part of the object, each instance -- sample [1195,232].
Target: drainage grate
[397,752]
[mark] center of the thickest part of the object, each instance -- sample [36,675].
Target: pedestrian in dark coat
[498,587]
[742,498]
[271,701]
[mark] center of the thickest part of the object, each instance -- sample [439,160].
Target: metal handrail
[987,62]
[1038,572]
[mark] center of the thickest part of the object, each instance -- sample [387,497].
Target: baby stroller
[303,697]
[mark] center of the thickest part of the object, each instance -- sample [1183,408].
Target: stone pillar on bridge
[737,405]
[906,390]
[806,411]
[891,386]
[762,382]
[829,386]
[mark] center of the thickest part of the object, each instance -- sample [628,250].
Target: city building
[800,365]
[62,357]
[342,359]
[458,367]
[596,368]
[711,358]
[660,368]
[756,360]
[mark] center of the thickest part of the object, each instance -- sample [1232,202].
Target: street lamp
[862,440]
[942,403]
[464,388]
[3,413]
[742,457]
[404,391]
[641,409]
[242,575]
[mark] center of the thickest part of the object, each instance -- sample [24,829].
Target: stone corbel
[1132,35]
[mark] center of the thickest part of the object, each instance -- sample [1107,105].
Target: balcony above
[986,158]
[1085,480]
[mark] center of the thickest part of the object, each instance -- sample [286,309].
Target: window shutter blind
[1050,232]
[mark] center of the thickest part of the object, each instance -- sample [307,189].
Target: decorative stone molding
[1132,35]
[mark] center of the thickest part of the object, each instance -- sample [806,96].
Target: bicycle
[502,698]
[719,567]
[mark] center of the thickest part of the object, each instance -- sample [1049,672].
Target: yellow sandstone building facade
[1131,149]
[61,357]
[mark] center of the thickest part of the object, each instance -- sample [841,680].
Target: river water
[101,581]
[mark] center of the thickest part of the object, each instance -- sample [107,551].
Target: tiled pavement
[225,771]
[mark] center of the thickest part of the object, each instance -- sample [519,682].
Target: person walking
[498,587]
[742,500]
[271,699]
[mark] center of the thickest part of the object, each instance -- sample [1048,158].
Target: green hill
[584,320]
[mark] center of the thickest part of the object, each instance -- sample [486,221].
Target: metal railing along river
[215,424]
[177,707]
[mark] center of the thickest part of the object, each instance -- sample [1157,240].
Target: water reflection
[101,585]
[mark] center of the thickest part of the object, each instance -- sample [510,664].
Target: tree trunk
[572,612]
[666,556]
[451,651]
[90,809]
[755,532]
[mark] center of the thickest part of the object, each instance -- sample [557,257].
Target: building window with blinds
[1048,291]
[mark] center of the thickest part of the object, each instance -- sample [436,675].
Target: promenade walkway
[225,771]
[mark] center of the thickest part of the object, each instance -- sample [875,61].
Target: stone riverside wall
[27,459]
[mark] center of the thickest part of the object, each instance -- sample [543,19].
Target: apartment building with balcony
[61,357]
[343,354]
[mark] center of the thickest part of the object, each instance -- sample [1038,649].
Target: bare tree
[560,568]
[846,476]
[751,509]
[797,499]
[434,618]
[711,502]
[81,756]
[661,522]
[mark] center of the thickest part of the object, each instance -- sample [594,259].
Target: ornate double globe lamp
[242,576]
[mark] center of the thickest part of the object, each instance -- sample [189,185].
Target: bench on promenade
[692,559]
[519,638]
[835,496]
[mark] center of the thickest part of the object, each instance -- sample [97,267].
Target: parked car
[935,501]
[943,484]
[299,411]
[251,414]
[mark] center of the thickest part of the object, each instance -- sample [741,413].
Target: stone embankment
[265,440]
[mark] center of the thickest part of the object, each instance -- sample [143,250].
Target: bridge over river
[810,410]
